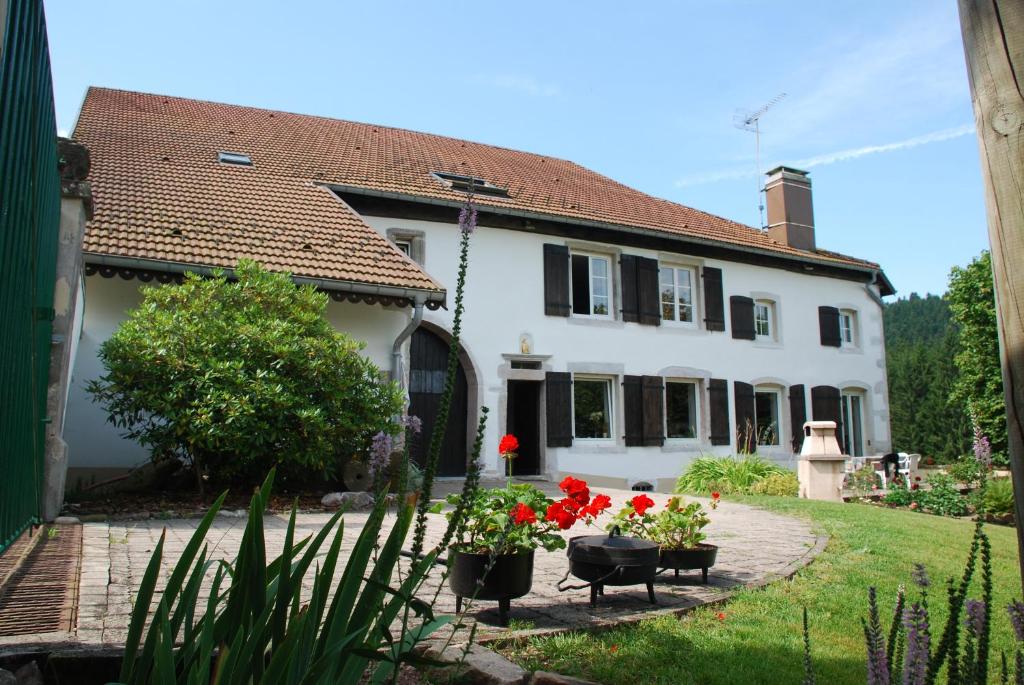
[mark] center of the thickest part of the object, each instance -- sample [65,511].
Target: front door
[523,421]
[427,368]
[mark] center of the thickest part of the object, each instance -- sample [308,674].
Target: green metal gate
[29,223]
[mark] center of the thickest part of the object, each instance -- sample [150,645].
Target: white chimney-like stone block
[822,466]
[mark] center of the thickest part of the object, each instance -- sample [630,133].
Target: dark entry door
[429,357]
[523,421]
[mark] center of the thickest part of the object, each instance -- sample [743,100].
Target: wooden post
[993,32]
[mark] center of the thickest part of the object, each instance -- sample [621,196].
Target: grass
[757,637]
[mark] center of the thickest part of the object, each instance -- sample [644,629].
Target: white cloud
[62,132]
[829,157]
[521,83]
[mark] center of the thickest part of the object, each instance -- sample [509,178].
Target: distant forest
[921,342]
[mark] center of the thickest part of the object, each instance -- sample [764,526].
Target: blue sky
[877,105]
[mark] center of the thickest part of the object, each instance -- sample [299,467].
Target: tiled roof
[154,168]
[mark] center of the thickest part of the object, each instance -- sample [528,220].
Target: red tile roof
[155,170]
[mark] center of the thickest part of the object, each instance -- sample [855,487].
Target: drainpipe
[871,293]
[396,349]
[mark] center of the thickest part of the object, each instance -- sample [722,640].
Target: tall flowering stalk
[467,224]
[915,662]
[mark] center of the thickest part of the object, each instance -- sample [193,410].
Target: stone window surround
[856,347]
[776,301]
[417,242]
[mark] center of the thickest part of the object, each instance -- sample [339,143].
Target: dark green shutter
[718,411]
[741,311]
[828,322]
[797,414]
[558,398]
[629,287]
[826,405]
[746,420]
[632,400]
[654,411]
[714,302]
[556,280]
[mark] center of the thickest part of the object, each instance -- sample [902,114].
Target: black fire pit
[612,560]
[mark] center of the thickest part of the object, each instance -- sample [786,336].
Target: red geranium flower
[914,486]
[597,505]
[522,513]
[576,489]
[721,615]
[558,513]
[508,445]
[716,495]
[641,503]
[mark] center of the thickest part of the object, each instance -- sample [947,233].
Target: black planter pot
[702,556]
[510,577]
[613,560]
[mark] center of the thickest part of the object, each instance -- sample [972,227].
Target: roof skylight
[470,184]
[236,158]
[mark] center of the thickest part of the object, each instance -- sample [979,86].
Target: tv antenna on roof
[751,121]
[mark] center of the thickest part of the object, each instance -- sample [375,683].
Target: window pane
[668,294]
[680,410]
[591,408]
[767,418]
[600,267]
[580,284]
[600,287]
[856,428]
[601,305]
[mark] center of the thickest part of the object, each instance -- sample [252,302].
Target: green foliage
[678,526]
[863,481]
[777,485]
[255,628]
[236,376]
[967,470]
[942,497]
[998,497]
[490,527]
[921,341]
[726,475]
[979,386]
[899,495]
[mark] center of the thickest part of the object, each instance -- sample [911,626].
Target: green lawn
[759,640]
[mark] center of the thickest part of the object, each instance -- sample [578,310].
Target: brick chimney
[790,211]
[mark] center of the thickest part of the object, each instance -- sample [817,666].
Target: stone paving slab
[756,547]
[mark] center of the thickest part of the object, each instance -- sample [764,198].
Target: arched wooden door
[427,366]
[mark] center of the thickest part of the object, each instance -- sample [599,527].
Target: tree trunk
[993,32]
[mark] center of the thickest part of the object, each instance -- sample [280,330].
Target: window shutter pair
[746,419]
[556,280]
[826,405]
[714,302]
[558,398]
[741,311]
[718,411]
[797,415]
[641,301]
[828,321]
[644,401]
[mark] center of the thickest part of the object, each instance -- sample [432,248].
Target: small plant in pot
[491,557]
[677,530]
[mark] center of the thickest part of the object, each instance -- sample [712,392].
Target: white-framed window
[591,281]
[767,422]
[847,328]
[592,408]
[852,437]
[677,293]
[405,246]
[764,320]
[682,412]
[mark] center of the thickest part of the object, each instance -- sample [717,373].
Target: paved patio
[756,547]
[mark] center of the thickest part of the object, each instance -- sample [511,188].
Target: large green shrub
[998,497]
[235,376]
[726,474]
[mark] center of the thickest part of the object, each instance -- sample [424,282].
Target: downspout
[871,293]
[396,349]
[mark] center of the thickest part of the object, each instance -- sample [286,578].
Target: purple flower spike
[414,423]
[380,452]
[467,218]
[920,576]
[975,616]
[915,661]
[1016,609]
[982,447]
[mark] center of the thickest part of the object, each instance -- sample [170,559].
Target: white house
[618,335]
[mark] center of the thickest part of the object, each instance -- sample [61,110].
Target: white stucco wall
[94,443]
[505,299]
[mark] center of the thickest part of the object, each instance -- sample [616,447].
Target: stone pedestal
[822,466]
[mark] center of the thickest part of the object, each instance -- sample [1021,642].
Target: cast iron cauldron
[509,578]
[612,560]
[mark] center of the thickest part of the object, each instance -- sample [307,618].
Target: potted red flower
[677,530]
